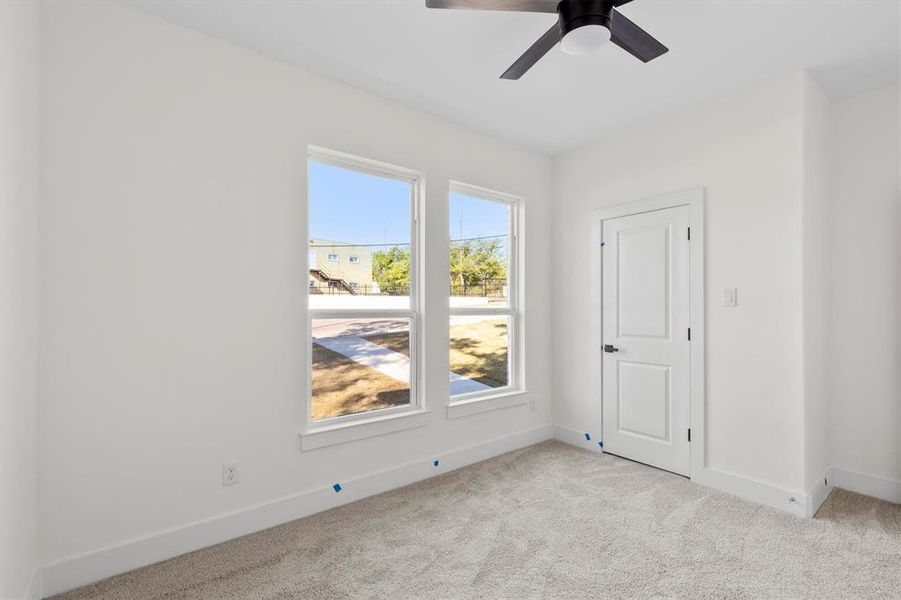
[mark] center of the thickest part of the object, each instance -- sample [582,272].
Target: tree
[391,270]
[477,262]
[473,264]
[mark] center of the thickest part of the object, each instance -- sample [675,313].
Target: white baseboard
[757,491]
[818,495]
[94,566]
[737,485]
[868,485]
[34,588]
[577,438]
[88,568]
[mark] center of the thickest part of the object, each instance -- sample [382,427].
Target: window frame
[323,432]
[508,395]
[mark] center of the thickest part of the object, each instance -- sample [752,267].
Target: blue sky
[348,206]
[472,217]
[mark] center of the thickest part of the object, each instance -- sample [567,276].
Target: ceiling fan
[582,26]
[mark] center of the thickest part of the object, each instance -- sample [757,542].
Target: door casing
[694,199]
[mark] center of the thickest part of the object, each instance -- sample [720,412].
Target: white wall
[746,152]
[865,260]
[173,336]
[19,189]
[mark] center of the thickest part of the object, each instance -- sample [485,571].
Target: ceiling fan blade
[544,6]
[620,2]
[633,39]
[534,53]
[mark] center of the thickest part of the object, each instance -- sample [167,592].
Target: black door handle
[610,348]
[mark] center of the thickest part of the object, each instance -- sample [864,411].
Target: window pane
[359,239]
[479,252]
[360,365]
[479,353]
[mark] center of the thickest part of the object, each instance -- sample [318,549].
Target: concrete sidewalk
[388,362]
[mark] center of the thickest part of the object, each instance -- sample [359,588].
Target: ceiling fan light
[585,39]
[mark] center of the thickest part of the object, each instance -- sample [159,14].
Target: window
[484,297]
[333,258]
[363,320]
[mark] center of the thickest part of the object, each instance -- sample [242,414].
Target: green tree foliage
[473,263]
[391,270]
[477,262]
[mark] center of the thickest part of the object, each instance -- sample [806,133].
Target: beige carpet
[548,521]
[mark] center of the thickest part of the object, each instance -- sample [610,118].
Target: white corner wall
[815,149]
[746,152]
[864,427]
[804,218]
[19,200]
[173,337]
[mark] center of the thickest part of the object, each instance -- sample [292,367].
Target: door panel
[646,390]
[641,313]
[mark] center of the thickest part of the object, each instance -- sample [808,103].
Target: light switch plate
[730,298]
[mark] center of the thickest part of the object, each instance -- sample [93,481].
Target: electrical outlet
[231,473]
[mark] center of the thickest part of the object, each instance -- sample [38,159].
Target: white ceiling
[447,62]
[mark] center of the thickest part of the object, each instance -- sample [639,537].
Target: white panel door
[646,358]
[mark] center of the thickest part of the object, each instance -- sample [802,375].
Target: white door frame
[694,199]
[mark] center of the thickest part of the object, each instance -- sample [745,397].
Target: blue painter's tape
[601,444]
[587,437]
[435,463]
[337,487]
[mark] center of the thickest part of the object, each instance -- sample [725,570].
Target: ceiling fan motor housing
[578,13]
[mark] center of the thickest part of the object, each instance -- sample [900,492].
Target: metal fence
[490,288]
[337,288]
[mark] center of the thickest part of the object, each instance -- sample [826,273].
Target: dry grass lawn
[477,350]
[343,387]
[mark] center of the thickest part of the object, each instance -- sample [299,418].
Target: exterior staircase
[322,276]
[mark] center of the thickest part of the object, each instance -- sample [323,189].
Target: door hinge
[689,334]
[689,233]
[689,434]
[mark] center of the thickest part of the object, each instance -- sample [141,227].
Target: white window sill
[330,435]
[480,404]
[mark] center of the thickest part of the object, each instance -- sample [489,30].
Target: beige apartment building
[340,268]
